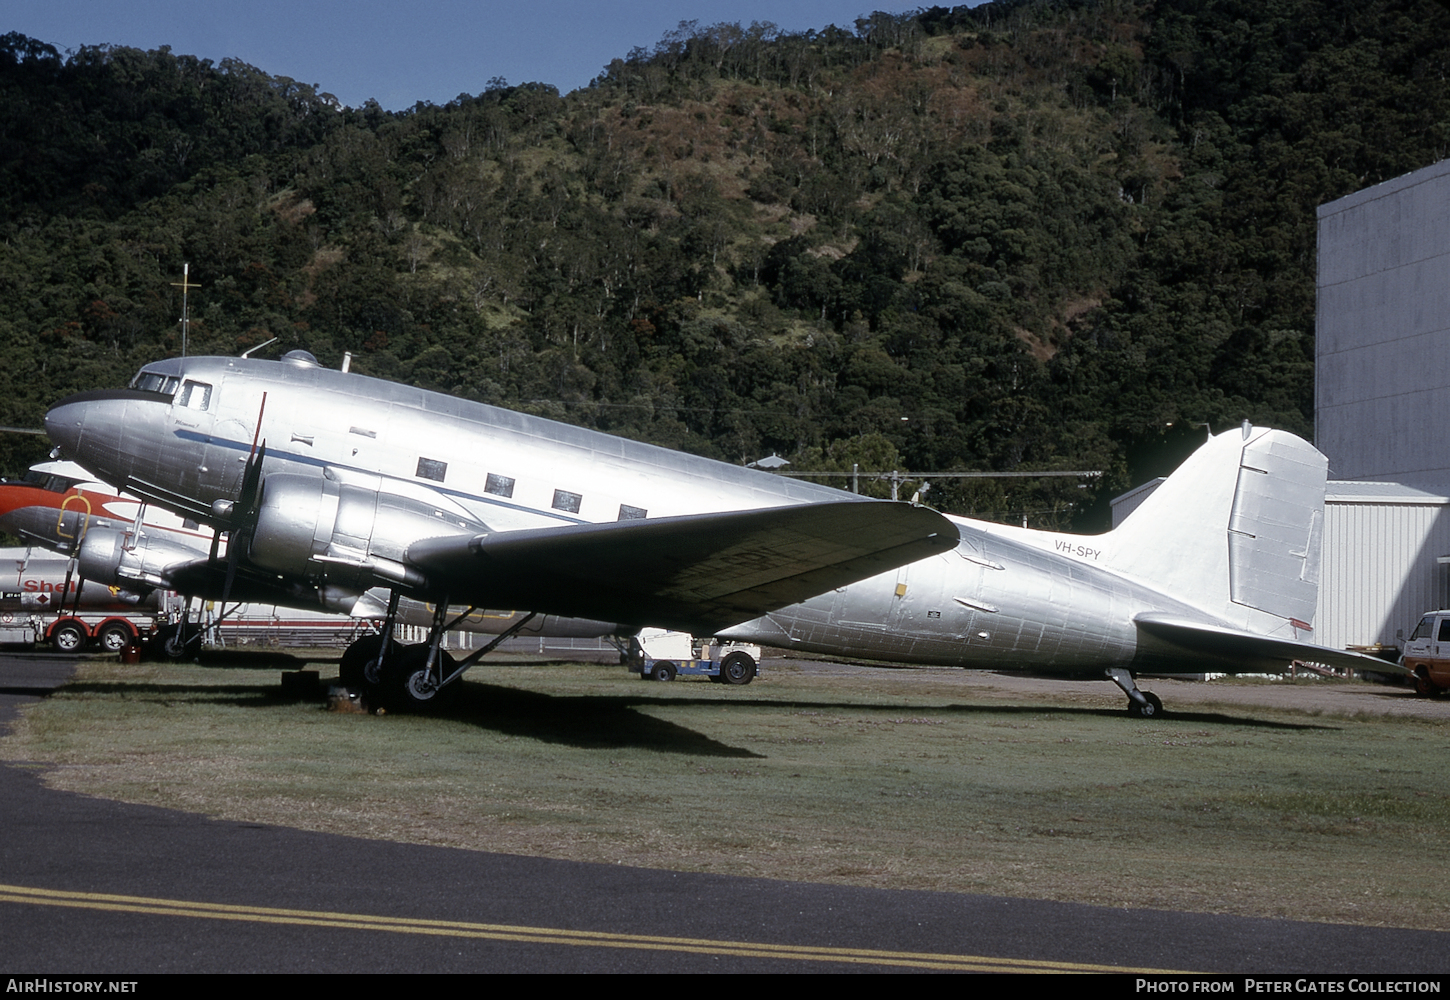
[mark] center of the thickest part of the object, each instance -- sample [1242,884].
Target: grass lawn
[884,778]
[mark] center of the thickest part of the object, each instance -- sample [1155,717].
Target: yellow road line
[539,935]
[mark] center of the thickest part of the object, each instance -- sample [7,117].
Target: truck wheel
[663,670]
[737,668]
[114,637]
[68,637]
[1424,687]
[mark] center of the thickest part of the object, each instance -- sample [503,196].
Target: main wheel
[352,669]
[737,668]
[68,637]
[115,637]
[175,644]
[408,685]
[663,670]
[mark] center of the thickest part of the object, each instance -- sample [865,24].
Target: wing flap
[1176,645]
[697,573]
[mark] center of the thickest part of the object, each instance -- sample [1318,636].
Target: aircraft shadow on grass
[586,722]
[611,721]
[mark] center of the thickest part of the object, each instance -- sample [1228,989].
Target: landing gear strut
[416,677]
[1141,704]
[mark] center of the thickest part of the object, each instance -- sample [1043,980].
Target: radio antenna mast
[186,286]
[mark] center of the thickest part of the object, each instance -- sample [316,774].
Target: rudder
[1235,530]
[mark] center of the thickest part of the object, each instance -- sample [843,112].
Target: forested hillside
[1022,236]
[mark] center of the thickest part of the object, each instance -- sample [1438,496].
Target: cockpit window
[48,482]
[156,382]
[194,395]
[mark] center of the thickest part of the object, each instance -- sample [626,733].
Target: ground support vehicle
[47,602]
[69,633]
[661,655]
[1426,656]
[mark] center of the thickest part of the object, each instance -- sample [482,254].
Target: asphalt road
[88,885]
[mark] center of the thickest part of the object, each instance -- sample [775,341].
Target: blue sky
[429,50]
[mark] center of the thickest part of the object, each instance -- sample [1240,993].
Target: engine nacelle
[308,526]
[118,557]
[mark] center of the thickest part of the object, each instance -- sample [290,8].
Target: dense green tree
[1031,234]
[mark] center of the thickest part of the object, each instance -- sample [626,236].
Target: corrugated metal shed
[1125,503]
[1382,331]
[1379,571]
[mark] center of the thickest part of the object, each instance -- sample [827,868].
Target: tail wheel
[737,668]
[1152,709]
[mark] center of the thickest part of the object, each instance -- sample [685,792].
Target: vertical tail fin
[1235,530]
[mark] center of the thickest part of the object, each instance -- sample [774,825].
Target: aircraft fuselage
[437,466]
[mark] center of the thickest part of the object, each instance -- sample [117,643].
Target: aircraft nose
[112,432]
[90,428]
[65,424]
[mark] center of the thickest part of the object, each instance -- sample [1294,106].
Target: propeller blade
[231,570]
[245,517]
[251,485]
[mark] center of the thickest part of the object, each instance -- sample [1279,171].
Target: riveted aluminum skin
[358,470]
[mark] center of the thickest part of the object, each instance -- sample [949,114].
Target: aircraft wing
[1176,645]
[697,573]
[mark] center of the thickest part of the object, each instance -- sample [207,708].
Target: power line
[1089,473]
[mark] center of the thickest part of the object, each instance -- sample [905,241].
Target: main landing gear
[1141,704]
[411,678]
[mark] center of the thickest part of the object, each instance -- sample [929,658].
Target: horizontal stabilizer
[697,573]
[1177,646]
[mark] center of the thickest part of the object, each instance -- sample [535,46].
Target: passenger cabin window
[431,468]
[628,513]
[194,396]
[567,502]
[1444,634]
[499,486]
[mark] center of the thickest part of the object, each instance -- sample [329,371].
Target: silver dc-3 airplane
[331,484]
